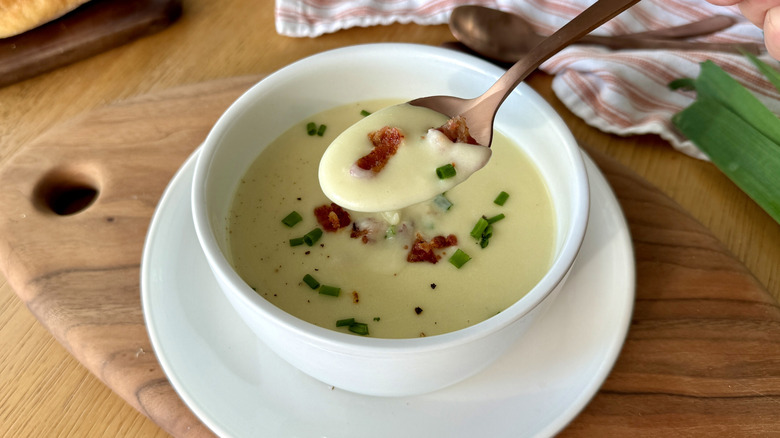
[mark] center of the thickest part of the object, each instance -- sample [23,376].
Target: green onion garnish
[459,258]
[501,198]
[296,241]
[496,218]
[364,113]
[479,228]
[442,202]
[291,219]
[486,235]
[311,281]
[446,171]
[311,128]
[345,322]
[312,236]
[321,130]
[330,290]
[359,328]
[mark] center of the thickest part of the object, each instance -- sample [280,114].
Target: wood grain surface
[96,26]
[702,355]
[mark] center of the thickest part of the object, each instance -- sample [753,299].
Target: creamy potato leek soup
[364,182]
[437,266]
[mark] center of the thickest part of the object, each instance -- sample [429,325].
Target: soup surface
[388,273]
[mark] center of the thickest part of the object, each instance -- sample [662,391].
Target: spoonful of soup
[412,152]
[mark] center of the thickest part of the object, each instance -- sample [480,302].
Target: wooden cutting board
[702,356]
[95,27]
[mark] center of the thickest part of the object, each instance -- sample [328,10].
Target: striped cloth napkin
[620,92]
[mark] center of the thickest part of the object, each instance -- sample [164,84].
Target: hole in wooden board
[66,191]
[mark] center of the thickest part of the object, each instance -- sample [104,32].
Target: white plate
[239,388]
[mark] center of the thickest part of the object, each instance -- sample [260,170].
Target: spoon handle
[491,100]
[705,26]
[626,42]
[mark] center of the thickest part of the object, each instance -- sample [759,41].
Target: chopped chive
[321,130]
[486,235]
[376,318]
[364,113]
[296,241]
[496,218]
[345,322]
[442,202]
[390,232]
[479,228]
[311,128]
[312,236]
[291,219]
[330,290]
[311,281]
[359,328]
[446,171]
[501,198]
[459,258]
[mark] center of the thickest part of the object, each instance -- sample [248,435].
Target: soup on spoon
[399,156]
[353,173]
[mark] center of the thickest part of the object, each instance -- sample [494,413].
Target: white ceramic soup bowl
[383,367]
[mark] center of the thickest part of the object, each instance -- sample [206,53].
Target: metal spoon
[480,111]
[507,37]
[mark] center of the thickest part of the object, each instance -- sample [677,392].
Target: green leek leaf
[687,84]
[736,131]
[741,151]
[770,73]
[715,83]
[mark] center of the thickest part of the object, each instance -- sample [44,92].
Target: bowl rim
[331,339]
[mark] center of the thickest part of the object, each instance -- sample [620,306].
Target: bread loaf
[18,16]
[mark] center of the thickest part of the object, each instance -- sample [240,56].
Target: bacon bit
[332,217]
[422,250]
[355,297]
[456,130]
[386,142]
[370,229]
[358,233]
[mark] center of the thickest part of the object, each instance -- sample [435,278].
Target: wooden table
[45,392]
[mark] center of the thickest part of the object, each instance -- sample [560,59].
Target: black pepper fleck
[418,310]
[433,285]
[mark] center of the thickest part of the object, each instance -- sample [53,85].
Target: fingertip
[772,32]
